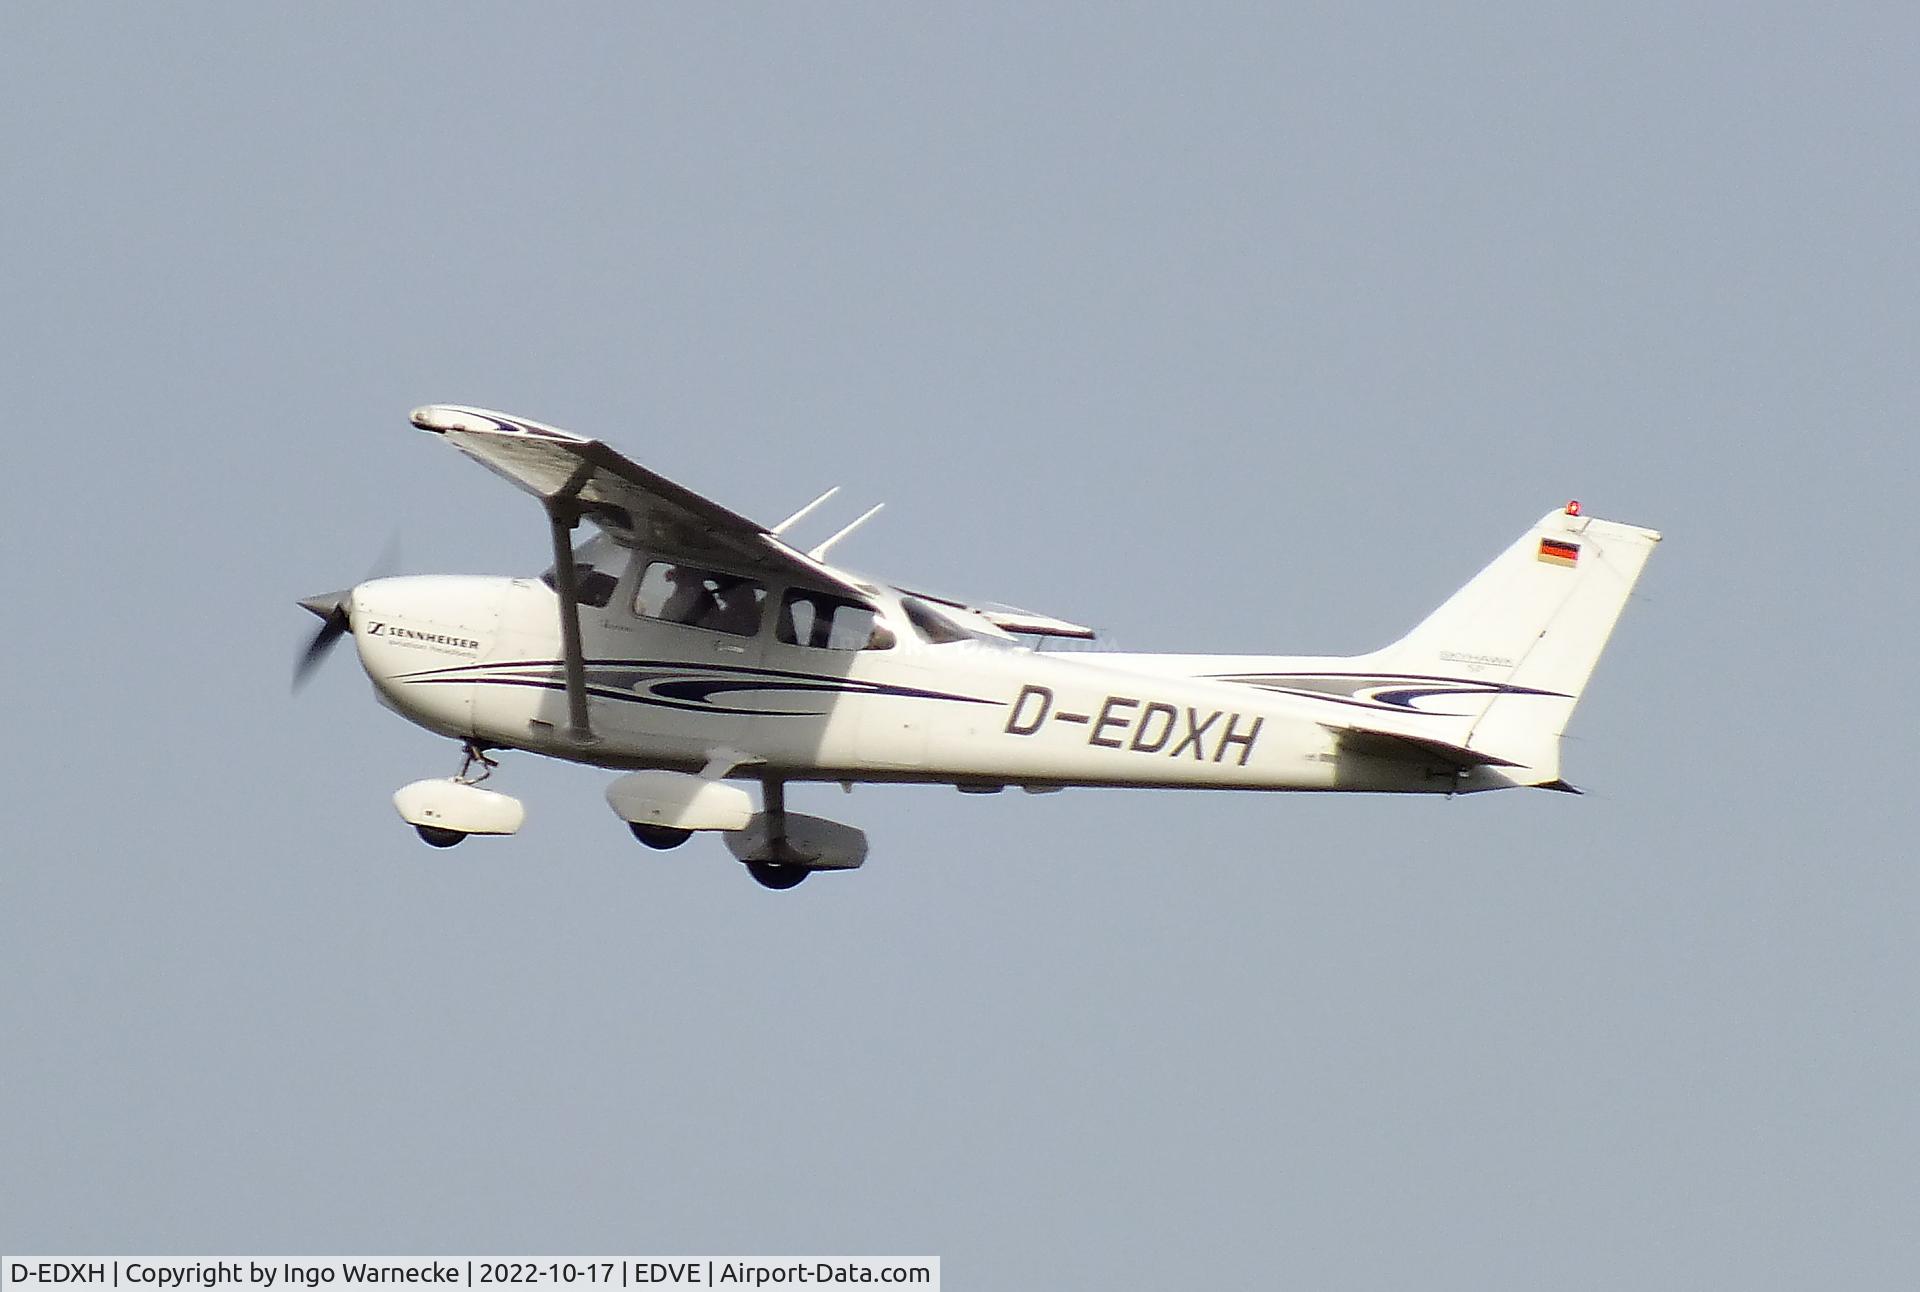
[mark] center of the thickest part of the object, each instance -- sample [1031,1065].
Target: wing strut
[562,517]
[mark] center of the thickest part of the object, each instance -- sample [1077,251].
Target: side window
[686,594]
[828,622]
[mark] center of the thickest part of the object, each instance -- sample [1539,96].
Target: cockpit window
[931,624]
[596,570]
[827,622]
[686,594]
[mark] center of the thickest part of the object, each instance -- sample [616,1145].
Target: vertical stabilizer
[1530,627]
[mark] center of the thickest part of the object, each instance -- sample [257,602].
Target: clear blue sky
[1221,328]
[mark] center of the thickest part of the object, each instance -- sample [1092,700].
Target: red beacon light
[1573,507]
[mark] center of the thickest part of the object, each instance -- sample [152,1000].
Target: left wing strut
[562,517]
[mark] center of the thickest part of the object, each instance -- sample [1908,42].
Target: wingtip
[442,418]
[1561,787]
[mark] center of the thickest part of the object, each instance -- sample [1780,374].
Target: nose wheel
[444,812]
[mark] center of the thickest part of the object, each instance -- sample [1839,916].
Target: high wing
[641,508]
[584,478]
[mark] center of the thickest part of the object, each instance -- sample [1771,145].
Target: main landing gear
[773,874]
[778,848]
[769,859]
[781,848]
[664,809]
[659,836]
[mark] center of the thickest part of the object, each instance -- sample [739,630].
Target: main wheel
[771,874]
[659,836]
[438,837]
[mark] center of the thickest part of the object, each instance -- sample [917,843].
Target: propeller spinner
[333,609]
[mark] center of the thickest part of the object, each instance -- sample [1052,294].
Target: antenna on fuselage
[803,513]
[820,553]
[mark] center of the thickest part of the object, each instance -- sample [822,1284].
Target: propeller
[331,607]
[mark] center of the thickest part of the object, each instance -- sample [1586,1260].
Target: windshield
[597,566]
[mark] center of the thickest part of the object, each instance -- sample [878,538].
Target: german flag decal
[1556,551]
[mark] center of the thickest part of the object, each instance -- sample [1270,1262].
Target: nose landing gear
[444,812]
[475,753]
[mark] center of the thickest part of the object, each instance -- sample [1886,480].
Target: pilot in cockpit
[736,607]
[690,602]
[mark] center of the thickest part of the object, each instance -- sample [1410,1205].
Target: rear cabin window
[827,622]
[699,598]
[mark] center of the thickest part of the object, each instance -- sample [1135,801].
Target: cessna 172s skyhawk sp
[692,646]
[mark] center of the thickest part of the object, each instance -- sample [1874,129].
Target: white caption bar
[490,1273]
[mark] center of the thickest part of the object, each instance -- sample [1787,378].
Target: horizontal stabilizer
[1010,620]
[1389,744]
[1024,621]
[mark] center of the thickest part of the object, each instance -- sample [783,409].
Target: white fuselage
[478,659]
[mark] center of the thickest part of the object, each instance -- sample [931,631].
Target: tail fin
[1530,628]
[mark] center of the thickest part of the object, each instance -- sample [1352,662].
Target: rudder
[1531,626]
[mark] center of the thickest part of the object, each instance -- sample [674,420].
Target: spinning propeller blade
[333,610]
[331,607]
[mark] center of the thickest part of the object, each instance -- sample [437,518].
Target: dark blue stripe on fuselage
[665,684]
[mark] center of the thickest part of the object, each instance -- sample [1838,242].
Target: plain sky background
[1222,327]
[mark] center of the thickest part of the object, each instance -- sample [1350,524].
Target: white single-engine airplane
[694,647]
